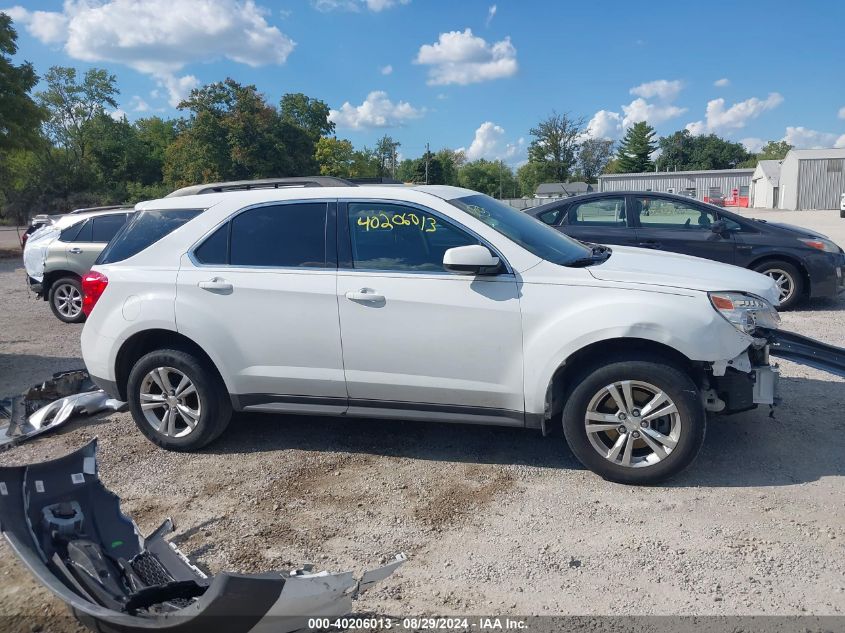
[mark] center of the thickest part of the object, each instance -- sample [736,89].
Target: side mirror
[474,259]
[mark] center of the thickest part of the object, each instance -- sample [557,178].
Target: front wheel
[177,401]
[635,421]
[790,282]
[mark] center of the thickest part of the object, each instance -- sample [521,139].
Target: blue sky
[463,74]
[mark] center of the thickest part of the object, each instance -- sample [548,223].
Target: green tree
[494,178]
[774,150]
[365,163]
[312,115]
[335,157]
[636,148]
[529,176]
[593,157]
[434,175]
[387,151]
[450,162]
[555,144]
[20,117]
[683,151]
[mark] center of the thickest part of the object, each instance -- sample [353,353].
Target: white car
[842,206]
[427,302]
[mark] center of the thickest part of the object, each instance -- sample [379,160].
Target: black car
[803,263]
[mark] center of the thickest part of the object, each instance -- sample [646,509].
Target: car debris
[46,406]
[805,351]
[68,529]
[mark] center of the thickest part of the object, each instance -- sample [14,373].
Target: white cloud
[724,82]
[719,119]
[491,13]
[605,124]
[641,110]
[841,113]
[161,37]
[117,114]
[377,111]
[386,70]
[355,5]
[178,88]
[661,88]
[805,138]
[753,144]
[459,57]
[137,104]
[489,142]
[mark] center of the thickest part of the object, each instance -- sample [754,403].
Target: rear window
[144,229]
[107,226]
[70,233]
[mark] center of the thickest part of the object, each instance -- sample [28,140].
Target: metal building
[696,184]
[812,179]
[765,184]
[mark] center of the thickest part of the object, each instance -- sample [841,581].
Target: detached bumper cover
[67,528]
[805,351]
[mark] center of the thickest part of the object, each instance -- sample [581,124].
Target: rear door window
[603,212]
[144,229]
[70,233]
[106,227]
[282,235]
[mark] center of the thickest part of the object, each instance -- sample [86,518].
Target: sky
[470,74]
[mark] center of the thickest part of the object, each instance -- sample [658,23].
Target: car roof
[627,192]
[69,219]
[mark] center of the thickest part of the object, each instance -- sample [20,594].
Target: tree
[20,117]
[555,144]
[494,178]
[774,150]
[593,157]
[636,148]
[387,153]
[71,104]
[312,115]
[683,151]
[529,176]
[434,174]
[450,161]
[335,157]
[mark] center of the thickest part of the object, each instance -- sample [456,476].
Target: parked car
[427,302]
[62,250]
[804,264]
[842,206]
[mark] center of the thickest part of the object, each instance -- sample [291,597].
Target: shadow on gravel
[803,442]
[433,441]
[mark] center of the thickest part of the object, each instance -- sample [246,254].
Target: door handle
[75,250]
[364,294]
[216,285]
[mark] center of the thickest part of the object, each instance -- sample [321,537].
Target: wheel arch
[789,259]
[52,277]
[565,377]
[146,341]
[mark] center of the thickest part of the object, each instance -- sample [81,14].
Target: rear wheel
[65,299]
[789,281]
[177,400]
[635,421]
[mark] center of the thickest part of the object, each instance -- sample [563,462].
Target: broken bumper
[805,351]
[67,528]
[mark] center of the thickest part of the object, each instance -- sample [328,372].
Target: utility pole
[427,151]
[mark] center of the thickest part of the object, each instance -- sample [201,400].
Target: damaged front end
[68,529]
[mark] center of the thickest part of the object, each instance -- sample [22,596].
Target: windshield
[531,234]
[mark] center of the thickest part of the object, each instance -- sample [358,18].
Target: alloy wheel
[633,423]
[170,402]
[68,300]
[784,281]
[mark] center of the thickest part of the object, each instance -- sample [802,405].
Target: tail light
[93,285]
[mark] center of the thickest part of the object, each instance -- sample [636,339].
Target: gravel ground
[494,520]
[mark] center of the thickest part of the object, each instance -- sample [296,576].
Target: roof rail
[106,208]
[265,183]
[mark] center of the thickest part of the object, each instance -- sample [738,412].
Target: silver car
[59,254]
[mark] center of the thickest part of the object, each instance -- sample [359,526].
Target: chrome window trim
[438,214]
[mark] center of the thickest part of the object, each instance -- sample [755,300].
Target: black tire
[60,291]
[777,268]
[672,381]
[212,398]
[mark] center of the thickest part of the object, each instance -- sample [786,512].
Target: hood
[798,230]
[660,268]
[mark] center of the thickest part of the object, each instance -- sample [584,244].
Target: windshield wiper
[598,255]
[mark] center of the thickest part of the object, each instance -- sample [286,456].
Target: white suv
[430,303]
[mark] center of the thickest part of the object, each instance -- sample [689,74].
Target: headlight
[819,243]
[746,312]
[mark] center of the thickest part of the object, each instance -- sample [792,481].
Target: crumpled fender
[35,251]
[62,522]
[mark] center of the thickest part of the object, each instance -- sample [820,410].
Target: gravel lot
[494,520]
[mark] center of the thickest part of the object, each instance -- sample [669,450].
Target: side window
[393,237]
[671,214]
[550,217]
[85,232]
[215,249]
[603,212]
[69,234]
[289,235]
[106,226]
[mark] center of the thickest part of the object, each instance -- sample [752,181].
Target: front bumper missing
[68,529]
[805,351]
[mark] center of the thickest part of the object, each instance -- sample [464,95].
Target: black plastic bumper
[805,351]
